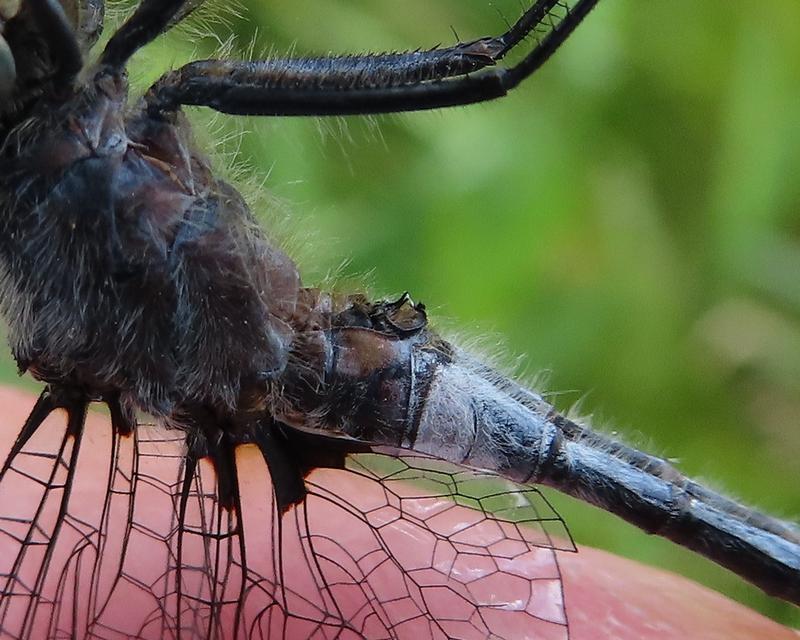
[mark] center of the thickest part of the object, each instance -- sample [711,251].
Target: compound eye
[8,71]
[9,8]
[8,68]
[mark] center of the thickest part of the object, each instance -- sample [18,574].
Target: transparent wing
[436,550]
[108,536]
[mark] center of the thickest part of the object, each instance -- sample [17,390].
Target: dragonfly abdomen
[397,384]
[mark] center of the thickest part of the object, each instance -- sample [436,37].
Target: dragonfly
[135,278]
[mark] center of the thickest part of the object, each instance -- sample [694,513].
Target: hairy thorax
[127,266]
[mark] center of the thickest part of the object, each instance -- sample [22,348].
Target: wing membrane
[435,566]
[110,536]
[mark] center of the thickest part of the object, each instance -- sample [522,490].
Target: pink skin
[606,596]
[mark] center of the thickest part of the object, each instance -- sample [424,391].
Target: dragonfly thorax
[127,266]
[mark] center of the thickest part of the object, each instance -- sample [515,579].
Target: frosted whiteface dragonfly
[135,278]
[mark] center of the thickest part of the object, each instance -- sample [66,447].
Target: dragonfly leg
[151,18]
[380,83]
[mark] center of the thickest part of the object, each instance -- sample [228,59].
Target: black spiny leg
[382,83]
[151,18]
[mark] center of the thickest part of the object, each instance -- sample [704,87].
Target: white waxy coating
[468,420]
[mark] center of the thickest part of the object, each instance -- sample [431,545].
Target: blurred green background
[629,219]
